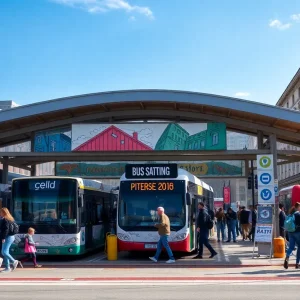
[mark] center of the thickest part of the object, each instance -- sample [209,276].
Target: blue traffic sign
[265,178]
[266,194]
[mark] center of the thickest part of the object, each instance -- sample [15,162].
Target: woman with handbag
[7,237]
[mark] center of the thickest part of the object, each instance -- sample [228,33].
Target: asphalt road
[223,291]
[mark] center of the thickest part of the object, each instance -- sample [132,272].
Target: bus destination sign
[139,171]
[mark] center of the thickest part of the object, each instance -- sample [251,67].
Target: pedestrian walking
[164,231]
[231,218]
[204,224]
[292,225]
[245,216]
[8,230]
[30,248]
[221,221]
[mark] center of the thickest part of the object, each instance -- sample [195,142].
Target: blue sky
[56,48]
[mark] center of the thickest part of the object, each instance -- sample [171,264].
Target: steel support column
[260,140]
[273,144]
[33,167]
[4,178]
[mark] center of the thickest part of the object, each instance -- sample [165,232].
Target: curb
[157,279]
[153,266]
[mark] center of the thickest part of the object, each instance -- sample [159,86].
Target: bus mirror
[80,200]
[188,199]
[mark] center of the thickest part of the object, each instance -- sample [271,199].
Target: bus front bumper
[180,246]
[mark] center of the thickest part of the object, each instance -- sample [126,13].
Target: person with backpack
[8,230]
[204,224]
[292,226]
[29,248]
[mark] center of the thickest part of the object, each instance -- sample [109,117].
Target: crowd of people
[231,224]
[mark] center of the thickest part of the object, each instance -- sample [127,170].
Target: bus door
[89,225]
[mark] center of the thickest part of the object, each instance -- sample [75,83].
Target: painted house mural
[148,136]
[58,140]
[113,139]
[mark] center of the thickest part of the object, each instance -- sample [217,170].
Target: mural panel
[148,136]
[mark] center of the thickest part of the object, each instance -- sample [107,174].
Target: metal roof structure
[18,124]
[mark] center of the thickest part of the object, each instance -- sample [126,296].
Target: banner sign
[265,214]
[264,233]
[116,169]
[265,178]
[226,192]
[151,171]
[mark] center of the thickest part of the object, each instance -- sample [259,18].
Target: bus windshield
[137,209]
[45,201]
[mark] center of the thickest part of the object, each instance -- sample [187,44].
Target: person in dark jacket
[294,237]
[202,228]
[7,239]
[231,218]
[282,217]
[254,221]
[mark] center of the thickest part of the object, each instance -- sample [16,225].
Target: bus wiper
[60,226]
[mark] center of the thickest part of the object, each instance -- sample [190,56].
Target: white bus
[70,215]
[178,191]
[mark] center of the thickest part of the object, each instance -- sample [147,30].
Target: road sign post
[266,200]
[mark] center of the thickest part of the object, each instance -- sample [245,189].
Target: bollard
[111,246]
[279,247]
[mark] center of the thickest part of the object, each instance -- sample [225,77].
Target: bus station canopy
[19,124]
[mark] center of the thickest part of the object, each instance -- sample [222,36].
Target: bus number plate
[42,251]
[150,246]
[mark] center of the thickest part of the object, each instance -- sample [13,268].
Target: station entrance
[94,136]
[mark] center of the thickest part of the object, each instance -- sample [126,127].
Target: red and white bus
[179,194]
[289,196]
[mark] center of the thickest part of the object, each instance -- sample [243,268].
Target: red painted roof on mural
[113,139]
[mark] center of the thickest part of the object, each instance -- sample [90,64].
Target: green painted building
[175,137]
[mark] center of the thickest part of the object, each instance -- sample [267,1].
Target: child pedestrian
[30,248]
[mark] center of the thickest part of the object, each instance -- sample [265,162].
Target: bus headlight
[71,241]
[180,237]
[124,237]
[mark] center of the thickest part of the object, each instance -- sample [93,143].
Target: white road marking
[95,259]
[150,283]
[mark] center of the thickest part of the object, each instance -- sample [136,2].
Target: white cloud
[242,94]
[295,17]
[98,6]
[280,26]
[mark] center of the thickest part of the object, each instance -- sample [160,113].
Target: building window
[122,142]
[293,99]
[215,139]
[195,145]
[202,144]
[190,146]
[176,147]
[114,135]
